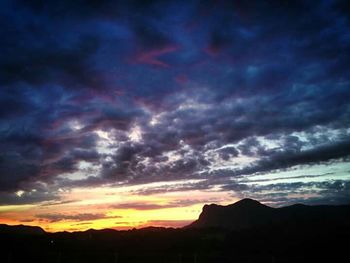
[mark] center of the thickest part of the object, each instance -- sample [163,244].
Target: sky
[123,114]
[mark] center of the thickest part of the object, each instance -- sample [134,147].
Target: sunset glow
[113,207]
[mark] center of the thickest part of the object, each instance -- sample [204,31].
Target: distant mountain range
[246,231]
[244,214]
[248,213]
[21,230]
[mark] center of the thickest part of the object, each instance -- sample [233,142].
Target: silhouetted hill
[248,213]
[21,230]
[246,231]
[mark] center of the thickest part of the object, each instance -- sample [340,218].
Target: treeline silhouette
[318,238]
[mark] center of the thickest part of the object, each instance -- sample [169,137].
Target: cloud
[154,206]
[288,158]
[21,197]
[56,217]
[151,57]
[315,193]
[138,206]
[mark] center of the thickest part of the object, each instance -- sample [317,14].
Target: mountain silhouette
[246,231]
[21,230]
[249,213]
[244,214]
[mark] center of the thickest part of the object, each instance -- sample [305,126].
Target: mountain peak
[249,213]
[242,214]
[247,202]
[21,230]
[211,206]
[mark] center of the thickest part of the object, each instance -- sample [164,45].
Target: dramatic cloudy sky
[137,113]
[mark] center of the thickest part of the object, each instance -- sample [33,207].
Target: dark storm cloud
[179,187]
[13,171]
[228,152]
[30,197]
[290,157]
[193,76]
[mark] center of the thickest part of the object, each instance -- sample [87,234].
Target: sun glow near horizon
[110,207]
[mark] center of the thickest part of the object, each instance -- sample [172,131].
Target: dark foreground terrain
[246,231]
